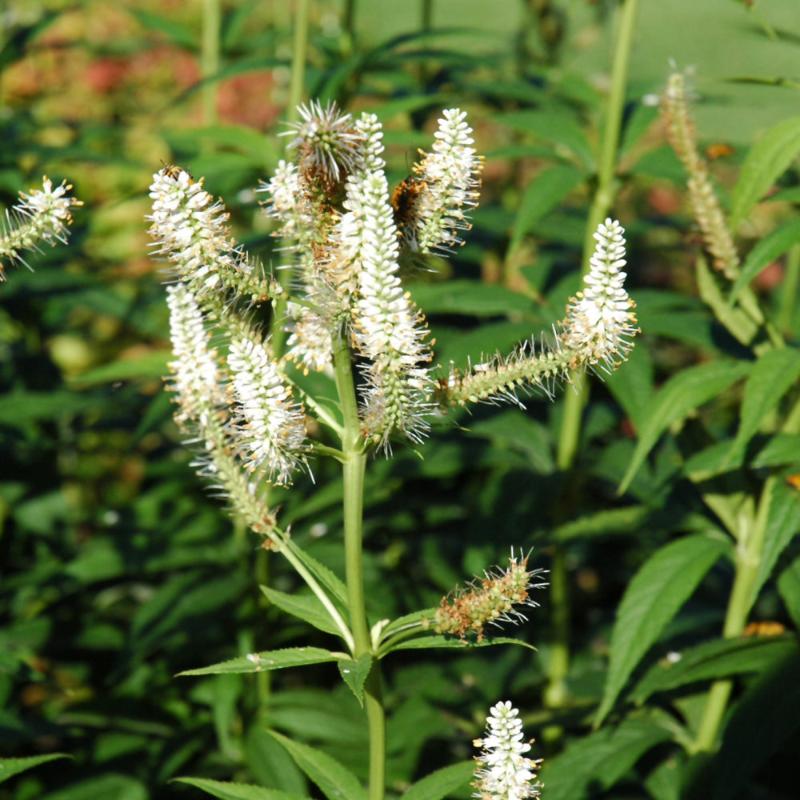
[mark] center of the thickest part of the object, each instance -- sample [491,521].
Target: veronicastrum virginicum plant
[345,234]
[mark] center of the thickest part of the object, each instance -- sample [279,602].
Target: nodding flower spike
[41,215]
[503,770]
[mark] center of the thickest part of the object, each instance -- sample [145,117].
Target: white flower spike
[600,320]
[43,215]
[503,771]
[270,423]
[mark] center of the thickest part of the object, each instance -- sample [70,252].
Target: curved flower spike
[43,215]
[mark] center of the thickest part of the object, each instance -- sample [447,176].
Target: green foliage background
[118,571]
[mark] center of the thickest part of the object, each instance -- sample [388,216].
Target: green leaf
[783,524]
[13,766]
[237,791]
[557,126]
[721,658]
[632,384]
[152,365]
[354,672]
[772,375]
[266,661]
[179,34]
[764,253]
[450,643]
[653,597]
[469,297]
[19,408]
[323,574]
[600,759]
[334,781]
[439,784]
[544,193]
[766,718]
[680,395]
[768,158]
[516,430]
[303,606]
[734,319]
[609,522]
[789,588]
[781,449]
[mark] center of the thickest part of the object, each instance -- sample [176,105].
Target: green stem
[576,399]
[743,594]
[209,57]
[296,83]
[353,474]
[791,282]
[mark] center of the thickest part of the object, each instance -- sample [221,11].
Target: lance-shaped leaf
[269,660]
[225,790]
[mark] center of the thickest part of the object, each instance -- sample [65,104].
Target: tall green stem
[296,83]
[748,561]
[576,399]
[209,57]
[353,474]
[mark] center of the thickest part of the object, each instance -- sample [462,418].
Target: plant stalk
[209,57]
[743,594]
[576,399]
[353,470]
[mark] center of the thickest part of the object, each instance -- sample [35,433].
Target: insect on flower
[404,199]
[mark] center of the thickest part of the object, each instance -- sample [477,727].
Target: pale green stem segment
[353,474]
[209,57]
[578,394]
[296,83]
[749,552]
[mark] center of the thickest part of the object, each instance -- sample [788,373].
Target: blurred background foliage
[119,571]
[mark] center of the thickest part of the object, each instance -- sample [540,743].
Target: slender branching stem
[353,470]
[576,399]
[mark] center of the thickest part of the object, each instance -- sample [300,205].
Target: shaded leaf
[766,161]
[237,791]
[764,253]
[676,398]
[653,597]
[335,781]
[303,606]
[354,672]
[439,784]
[13,766]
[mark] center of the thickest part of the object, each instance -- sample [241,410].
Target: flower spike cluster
[596,333]
[43,215]
[502,770]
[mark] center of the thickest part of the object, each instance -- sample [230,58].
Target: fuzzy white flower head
[370,154]
[271,424]
[450,178]
[190,228]
[600,319]
[389,331]
[325,139]
[195,373]
[503,771]
[285,200]
[42,215]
